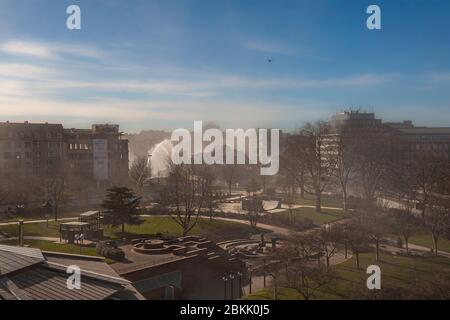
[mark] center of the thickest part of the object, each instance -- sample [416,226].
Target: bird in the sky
[269,60]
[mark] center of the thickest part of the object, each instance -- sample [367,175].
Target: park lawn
[33,229]
[327,201]
[326,216]
[424,239]
[215,230]
[268,294]
[55,247]
[396,272]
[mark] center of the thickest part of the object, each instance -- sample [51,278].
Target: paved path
[296,206]
[36,221]
[52,239]
[392,247]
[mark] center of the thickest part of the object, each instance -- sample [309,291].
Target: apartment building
[42,149]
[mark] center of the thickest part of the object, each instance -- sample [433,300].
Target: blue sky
[163,64]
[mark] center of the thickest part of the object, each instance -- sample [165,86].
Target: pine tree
[121,207]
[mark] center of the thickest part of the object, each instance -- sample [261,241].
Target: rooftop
[32,274]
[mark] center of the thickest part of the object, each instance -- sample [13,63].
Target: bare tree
[327,239]
[301,273]
[345,160]
[211,201]
[140,172]
[289,186]
[356,237]
[56,190]
[437,221]
[253,202]
[426,173]
[317,157]
[373,150]
[292,165]
[307,279]
[405,224]
[185,193]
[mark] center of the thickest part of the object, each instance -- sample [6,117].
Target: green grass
[327,201]
[55,247]
[268,294]
[33,229]
[326,216]
[215,230]
[424,239]
[397,272]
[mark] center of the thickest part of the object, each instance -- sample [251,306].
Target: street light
[250,279]
[231,283]
[225,279]
[264,274]
[240,274]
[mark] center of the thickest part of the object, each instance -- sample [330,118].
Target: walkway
[35,221]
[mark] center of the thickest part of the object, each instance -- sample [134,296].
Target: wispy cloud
[21,70]
[49,50]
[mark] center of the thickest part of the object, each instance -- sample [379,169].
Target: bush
[109,249]
[113,253]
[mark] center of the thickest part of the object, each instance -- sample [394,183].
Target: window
[27,155]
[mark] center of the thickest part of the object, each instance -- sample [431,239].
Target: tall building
[99,153]
[41,149]
[355,119]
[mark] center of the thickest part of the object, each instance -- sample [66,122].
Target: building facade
[419,142]
[40,150]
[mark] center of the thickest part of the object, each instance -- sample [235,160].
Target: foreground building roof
[32,274]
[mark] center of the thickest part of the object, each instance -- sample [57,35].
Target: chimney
[21,233]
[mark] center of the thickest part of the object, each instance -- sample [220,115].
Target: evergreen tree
[121,207]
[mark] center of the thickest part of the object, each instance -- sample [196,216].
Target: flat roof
[425,130]
[89,213]
[75,224]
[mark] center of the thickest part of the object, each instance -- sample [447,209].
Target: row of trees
[369,161]
[303,263]
[45,192]
[321,158]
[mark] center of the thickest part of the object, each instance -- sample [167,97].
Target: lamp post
[250,279]
[231,284]
[240,284]
[264,273]
[225,279]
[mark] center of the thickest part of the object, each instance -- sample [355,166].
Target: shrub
[109,249]
[113,253]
